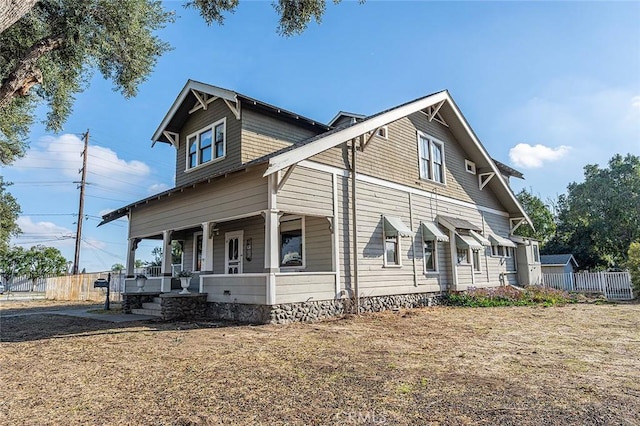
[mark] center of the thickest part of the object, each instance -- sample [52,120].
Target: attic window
[207,144]
[470,166]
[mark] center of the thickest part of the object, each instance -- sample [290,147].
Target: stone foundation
[135,300]
[183,306]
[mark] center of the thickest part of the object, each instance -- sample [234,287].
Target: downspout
[354,278]
[413,243]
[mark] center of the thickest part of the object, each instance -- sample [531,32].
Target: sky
[548,87]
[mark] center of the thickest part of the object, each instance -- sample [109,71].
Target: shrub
[509,296]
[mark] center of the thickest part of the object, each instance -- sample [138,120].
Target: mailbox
[101,283]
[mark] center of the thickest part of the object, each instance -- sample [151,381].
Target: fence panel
[614,285]
[80,287]
[24,283]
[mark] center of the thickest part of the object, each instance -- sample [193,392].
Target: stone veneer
[135,300]
[195,306]
[315,310]
[183,306]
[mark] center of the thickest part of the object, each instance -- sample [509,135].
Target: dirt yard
[578,364]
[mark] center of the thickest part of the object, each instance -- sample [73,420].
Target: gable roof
[557,260]
[446,107]
[341,114]
[179,110]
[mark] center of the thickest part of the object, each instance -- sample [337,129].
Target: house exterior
[278,213]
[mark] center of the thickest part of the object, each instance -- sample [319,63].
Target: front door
[233,252]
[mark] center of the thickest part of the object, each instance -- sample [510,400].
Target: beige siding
[262,134]
[235,195]
[318,239]
[253,228]
[308,192]
[302,287]
[198,120]
[240,289]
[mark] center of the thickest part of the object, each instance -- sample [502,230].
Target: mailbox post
[102,283]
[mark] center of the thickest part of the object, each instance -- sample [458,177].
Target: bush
[509,296]
[633,264]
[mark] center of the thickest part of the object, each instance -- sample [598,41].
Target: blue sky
[547,86]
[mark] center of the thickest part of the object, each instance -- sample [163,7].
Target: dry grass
[576,364]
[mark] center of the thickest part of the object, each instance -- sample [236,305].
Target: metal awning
[467,242]
[431,232]
[497,240]
[394,226]
[456,223]
[480,238]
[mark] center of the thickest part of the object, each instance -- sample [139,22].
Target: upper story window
[431,159]
[206,144]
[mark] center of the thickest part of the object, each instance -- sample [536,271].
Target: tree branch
[26,74]
[12,10]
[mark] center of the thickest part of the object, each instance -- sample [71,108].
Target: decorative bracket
[484,178]
[285,178]
[174,138]
[364,143]
[433,113]
[234,109]
[515,222]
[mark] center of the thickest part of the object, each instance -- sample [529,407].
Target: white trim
[298,273]
[336,233]
[194,260]
[303,152]
[398,239]
[431,142]
[398,186]
[306,151]
[197,134]
[290,218]
[228,236]
[470,166]
[249,275]
[435,257]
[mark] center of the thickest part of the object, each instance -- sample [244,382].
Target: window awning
[467,242]
[497,240]
[481,239]
[393,226]
[431,232]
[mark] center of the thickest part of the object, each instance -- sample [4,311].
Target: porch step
[151,312]
[154,306]
[157,300]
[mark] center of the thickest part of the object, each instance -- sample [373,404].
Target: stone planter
[184,283]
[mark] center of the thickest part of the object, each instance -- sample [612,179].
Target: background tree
[11,260]
[41,262]
[541,216]
[49,54]
[598,218]
[117,267]
[633,265]
[9,211]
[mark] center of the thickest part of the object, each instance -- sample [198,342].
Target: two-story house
[278,213]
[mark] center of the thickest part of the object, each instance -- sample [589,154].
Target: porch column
[131,256]
[165,285]
[271,252]
[207,247]
[454,260]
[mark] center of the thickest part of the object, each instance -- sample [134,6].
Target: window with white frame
[430,258]
[476,260]
[206,144]
[292,242]
[392,251]
[536,253]
[463,255]
[431,157]
[470,166]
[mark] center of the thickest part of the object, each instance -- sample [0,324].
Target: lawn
[577,364]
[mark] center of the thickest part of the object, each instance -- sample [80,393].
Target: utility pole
[83,182]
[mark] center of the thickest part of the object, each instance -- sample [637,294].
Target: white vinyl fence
[23,283]
[614,285]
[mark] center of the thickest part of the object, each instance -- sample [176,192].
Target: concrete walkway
[83,313]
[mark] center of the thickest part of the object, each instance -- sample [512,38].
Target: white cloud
[62,154]
[635,102]
[42,229]
[157,188]
[50,234]
[531,157]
